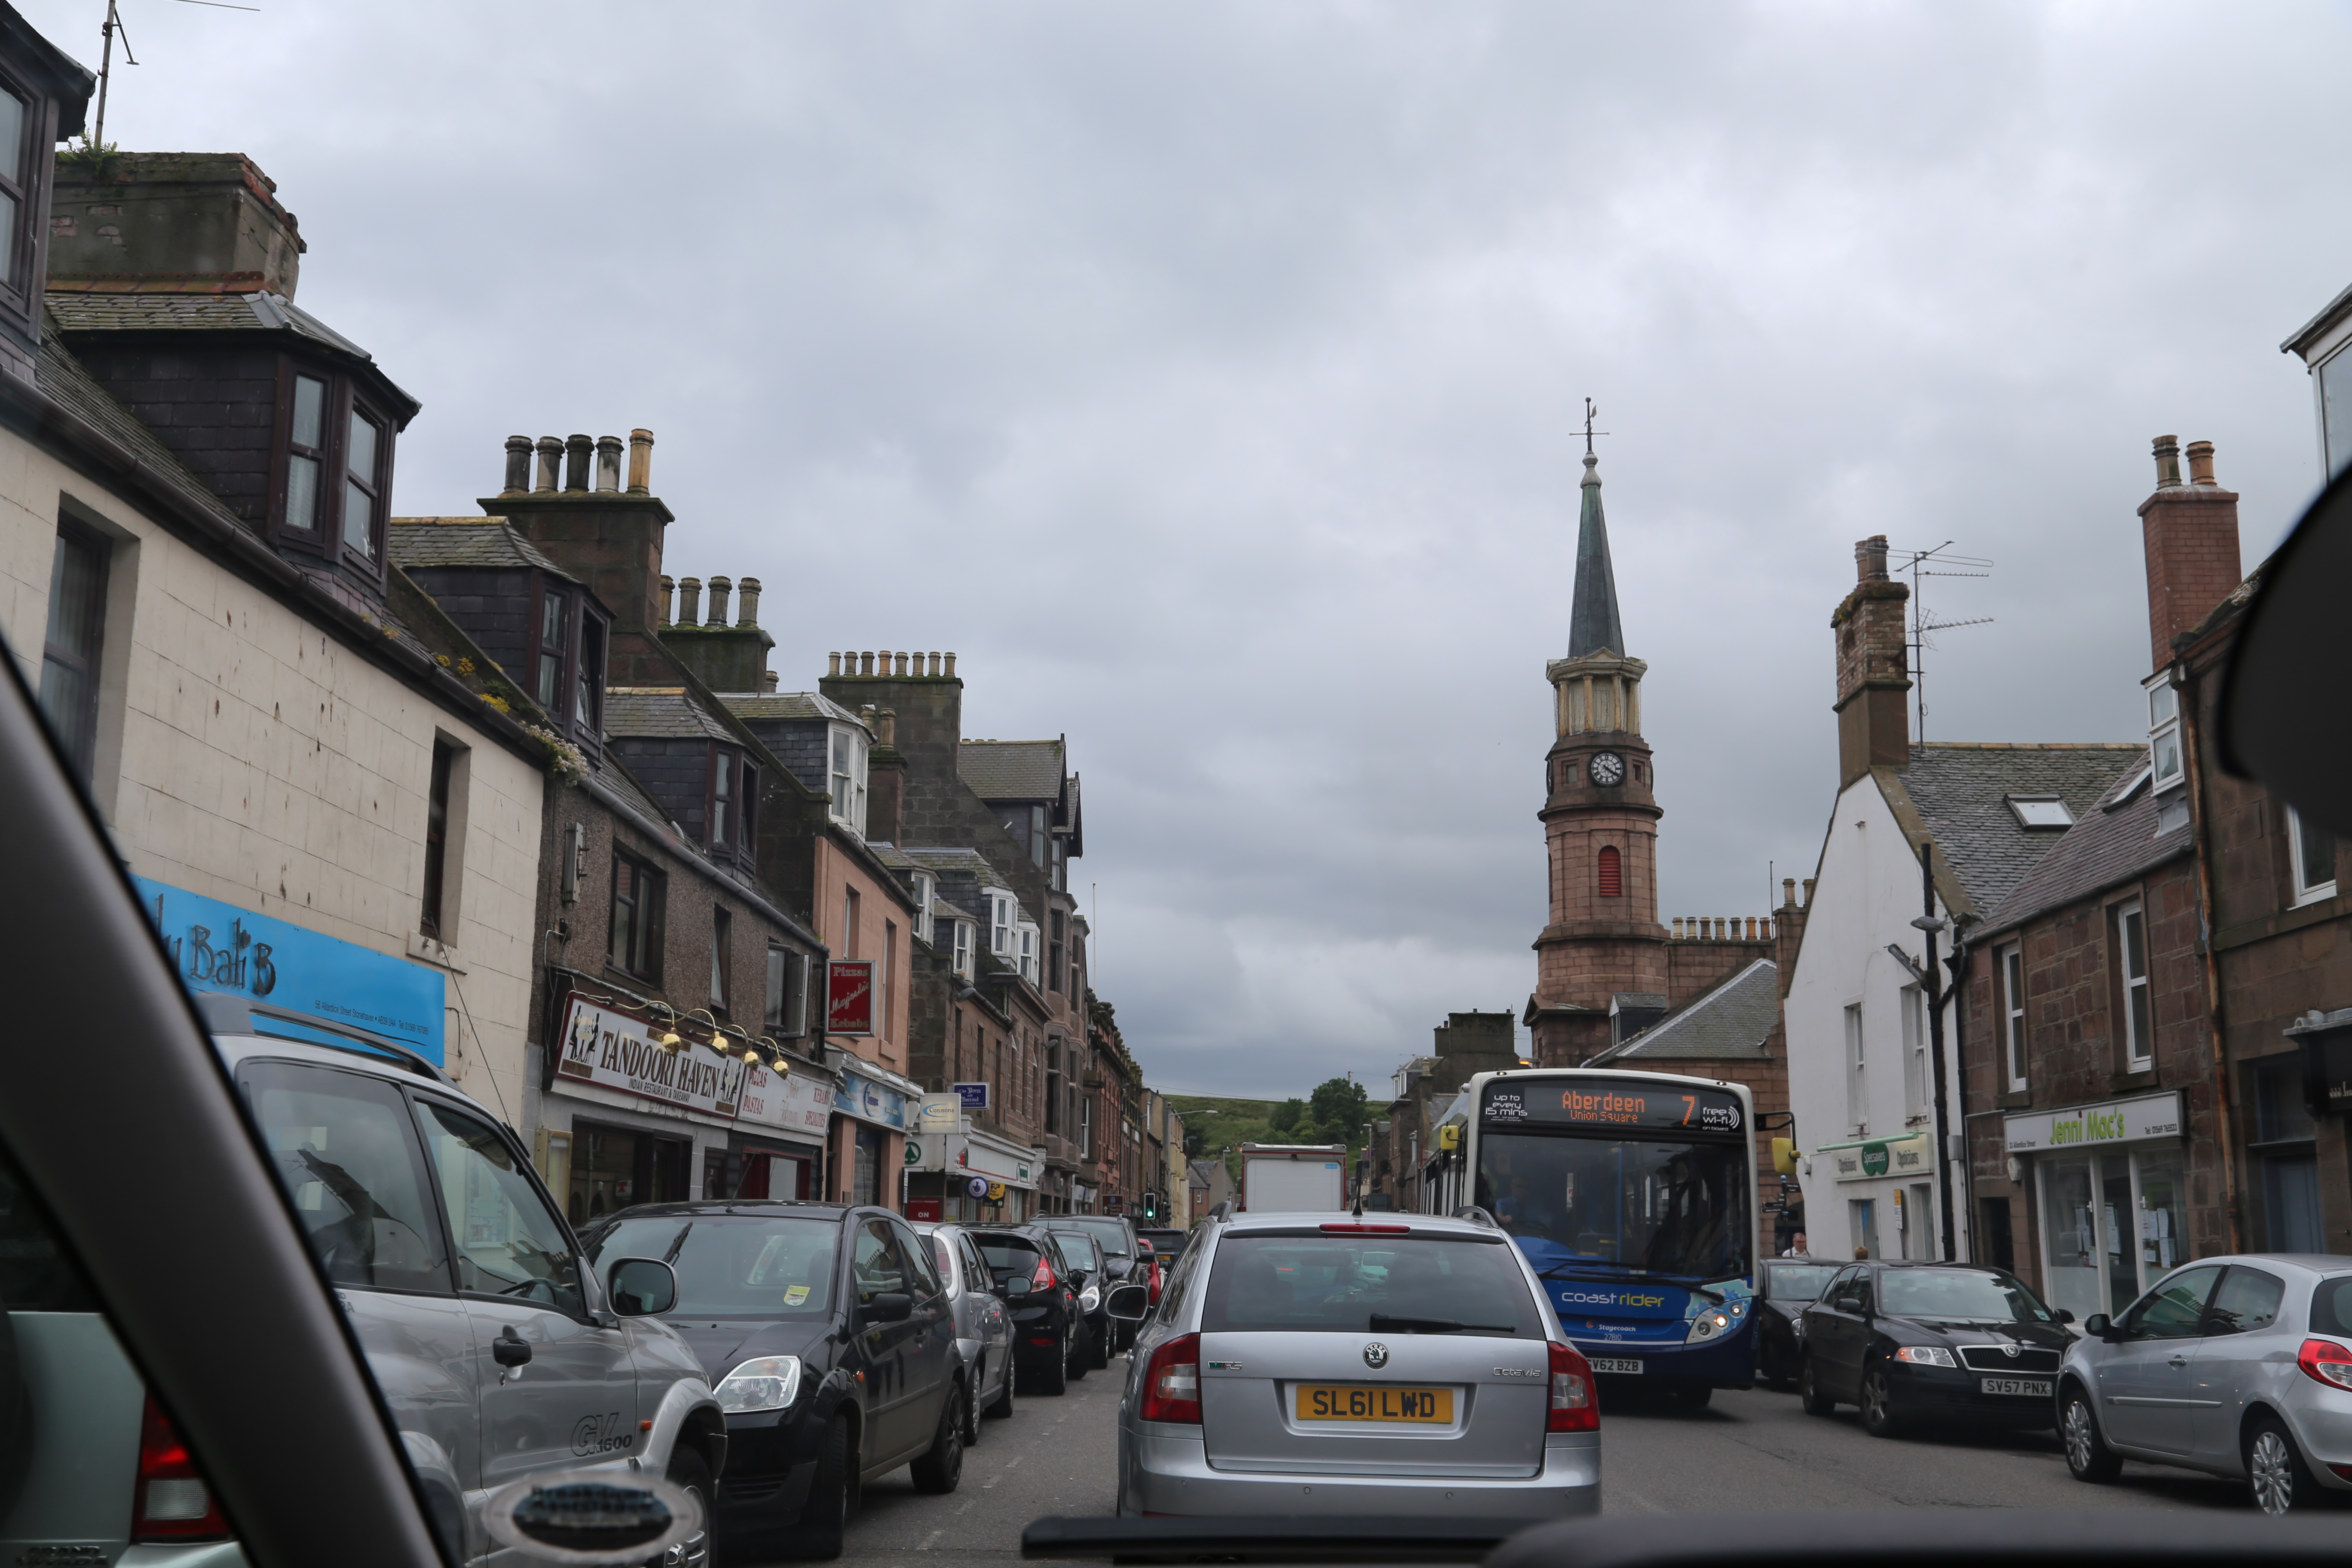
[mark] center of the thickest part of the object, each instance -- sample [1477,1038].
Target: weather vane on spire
[1590,413]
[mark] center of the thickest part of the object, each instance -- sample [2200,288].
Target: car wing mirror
[591,1516]
[2097,1325]
[641,1287]
[1130,1303]
[1845,1304]
[890,1307]
[2273,719]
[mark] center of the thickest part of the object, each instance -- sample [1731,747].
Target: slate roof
[771,706]
[1727,1021]
[969,862]
[660,712]
[62,375]
[1592,624]
[1960,790]
[466,541]
[255,312]
[1011,770]
[2111,844]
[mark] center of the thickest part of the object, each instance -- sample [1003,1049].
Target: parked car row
[2237,1366]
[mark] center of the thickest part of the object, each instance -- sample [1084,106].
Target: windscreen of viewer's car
[1369,1284]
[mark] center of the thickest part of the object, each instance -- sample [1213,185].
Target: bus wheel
[1692,1396]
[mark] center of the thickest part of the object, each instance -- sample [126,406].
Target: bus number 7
[1690,1104]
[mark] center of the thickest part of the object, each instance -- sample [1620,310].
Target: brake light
[170,1501]
[1572,1407]
[1155,1282]
[1172,1383]
[1044,1278]
[1366,1229]
[2325,1361]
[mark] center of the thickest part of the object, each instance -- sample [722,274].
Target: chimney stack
[517,465]
[2190,535]
[577,513]
[1873,667]
[721,587]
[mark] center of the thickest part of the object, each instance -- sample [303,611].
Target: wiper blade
[1384,1324]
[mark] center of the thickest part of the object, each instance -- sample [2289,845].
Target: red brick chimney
[2191,534]
[1873,667]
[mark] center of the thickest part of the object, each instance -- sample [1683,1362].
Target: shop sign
[870,1101]
[976,1186]
[1881,1157]
[915,1155]
[216,946]
[615,1051]
[1004,1164]
[849,997]
[791,1100]
[2116,1122]
[975,1096]
[938,1114]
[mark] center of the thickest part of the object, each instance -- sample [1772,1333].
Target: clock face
[1607,768]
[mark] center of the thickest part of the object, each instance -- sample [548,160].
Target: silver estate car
[1395,1365]
[2241,1366]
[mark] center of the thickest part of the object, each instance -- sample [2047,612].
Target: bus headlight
[1709,1324]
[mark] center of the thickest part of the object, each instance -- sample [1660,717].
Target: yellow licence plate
[1348,1402]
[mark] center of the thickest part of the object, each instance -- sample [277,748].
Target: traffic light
[1152,1205]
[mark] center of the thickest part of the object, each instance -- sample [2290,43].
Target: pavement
[1747,1450]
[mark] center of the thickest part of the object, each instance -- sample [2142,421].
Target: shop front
[869,1133]
[1885,1188]
[960,1172]
[777,1150]
[2112,1204]
[625,1119]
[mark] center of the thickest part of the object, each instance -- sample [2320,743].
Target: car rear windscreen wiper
[1384,1324]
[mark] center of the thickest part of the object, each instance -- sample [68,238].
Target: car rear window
[1369,1284]
[1007,1258]
[1110,1234]
[2331,1306]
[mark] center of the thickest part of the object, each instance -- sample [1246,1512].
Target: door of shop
[767,1174]
[614,1167]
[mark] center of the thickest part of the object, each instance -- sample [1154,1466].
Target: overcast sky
[1208,377]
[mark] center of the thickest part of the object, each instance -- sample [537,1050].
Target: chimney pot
[1870,559]
[2167,462]
[768,679]
[668,591]
[1788,891]
[934,661]
[1809,892]
[832,664]
[885,725]
[2200,464]
[517,465]
[551,464]
[866,661]
[950,666]
[608,465]
[641,462]
[748,602]
[902,664]
[579,451]
[689,601]
[721,587]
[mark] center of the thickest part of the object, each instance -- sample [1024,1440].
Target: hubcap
[2272,1468]
[2078,1436]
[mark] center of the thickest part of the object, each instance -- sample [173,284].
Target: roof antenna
[106,56]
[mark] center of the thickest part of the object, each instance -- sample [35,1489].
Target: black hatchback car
[1785,1286]
[828,1337]
[1921,1343]
[1039,1290]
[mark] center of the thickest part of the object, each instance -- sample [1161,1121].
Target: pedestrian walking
[1860,1253]
[1797,1247]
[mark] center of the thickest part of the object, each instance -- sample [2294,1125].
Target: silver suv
[500,1354]
[1331,1363]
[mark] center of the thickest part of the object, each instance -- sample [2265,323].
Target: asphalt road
[1751,1450]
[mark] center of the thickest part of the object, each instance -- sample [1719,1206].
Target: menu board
[1602,1102]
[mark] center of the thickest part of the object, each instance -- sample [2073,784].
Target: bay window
[363,486]
[306,453]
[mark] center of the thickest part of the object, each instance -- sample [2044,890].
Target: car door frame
[932,1367]
[890,1383]
[996,1323]
[2223,1384]
[1839,1348]
[2137,1403]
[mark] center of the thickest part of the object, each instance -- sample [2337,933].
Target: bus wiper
[1384,1324]
[1569,1269]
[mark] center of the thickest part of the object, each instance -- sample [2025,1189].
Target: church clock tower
[1600,962]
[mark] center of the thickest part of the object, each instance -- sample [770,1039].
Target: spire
[1592,618]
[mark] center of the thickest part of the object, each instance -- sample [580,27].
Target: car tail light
[1044,1278]
[1172,1383]
[171,1500]
[1366,1229]
[2327,1361]
[1155,1282]
[1572,1407]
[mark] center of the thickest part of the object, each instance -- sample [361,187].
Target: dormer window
[848,777]
[1001,923]
[1028,940]
[925,886]
[330,490]
[363,487]
[306,452]
[588,690]
[964,948]
[2040,811]
[554,643]
[15,200]
[733,786]
[2164,734]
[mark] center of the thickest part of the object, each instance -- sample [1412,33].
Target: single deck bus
[1633,1195]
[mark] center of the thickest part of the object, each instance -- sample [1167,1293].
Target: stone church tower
[1601,962]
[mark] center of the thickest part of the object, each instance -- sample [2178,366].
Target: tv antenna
[106,55]
[1940,561]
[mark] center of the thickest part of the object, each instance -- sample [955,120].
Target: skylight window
[2040,811]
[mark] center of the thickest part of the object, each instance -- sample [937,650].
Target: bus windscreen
[1655,1206]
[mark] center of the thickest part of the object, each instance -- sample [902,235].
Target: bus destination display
[1599,1103]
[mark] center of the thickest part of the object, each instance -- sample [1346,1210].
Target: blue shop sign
[220,947]
[871,1101]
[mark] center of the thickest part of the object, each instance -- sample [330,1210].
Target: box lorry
[1294,1178]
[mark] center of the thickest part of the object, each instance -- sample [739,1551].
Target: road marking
[1014,1460]
[931,1540]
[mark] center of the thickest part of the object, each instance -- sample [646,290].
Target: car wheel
[825,1515]
[1082,1353]
[689,1472]
[1053,1375]
[1098,1346]
[1878,1417]
[940,1466]
[1003,1407]
[972,1408]
[2087,1453]
[2276,1472]
[1809,1389]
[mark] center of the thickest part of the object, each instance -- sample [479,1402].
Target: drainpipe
[2225,1135]
[1931,923]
